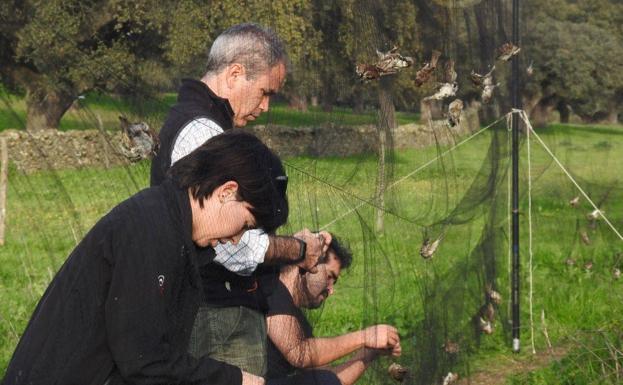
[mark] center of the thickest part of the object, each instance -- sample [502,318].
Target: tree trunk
[326,105]
[386,123]
[314,101]
[297,102]
[44,110]
[609,116]
[485,24]
[431,110]
[327,95]
[540,115]
[358,106]
[563,111]
[612,115]
[529,101]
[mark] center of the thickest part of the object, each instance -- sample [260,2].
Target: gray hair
[257,48]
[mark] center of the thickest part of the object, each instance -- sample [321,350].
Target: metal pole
[515,180]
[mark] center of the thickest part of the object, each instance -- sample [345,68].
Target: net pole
[515,185]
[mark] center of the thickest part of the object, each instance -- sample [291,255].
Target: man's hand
[396,350]
[317,246]
[251,379]
[384,337]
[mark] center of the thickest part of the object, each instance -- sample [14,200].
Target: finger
[313,269]
[327,236]
[318,241]
[392,341]
[326,239]
[320,238]
[312,238]
[395,338]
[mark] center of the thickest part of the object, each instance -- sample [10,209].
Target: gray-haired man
[246,65]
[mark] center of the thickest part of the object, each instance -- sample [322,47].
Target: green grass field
[108,109]
[49,212]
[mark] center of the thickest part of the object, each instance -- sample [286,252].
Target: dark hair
[342,252]
[239,156]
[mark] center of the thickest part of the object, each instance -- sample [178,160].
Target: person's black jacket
[123,304]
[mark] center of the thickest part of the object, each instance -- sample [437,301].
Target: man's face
[318,286]
[249,98]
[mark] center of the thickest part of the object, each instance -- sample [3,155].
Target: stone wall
[53,149]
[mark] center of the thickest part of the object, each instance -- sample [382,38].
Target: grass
[280,114]
[94,106]
[87,111]
[389,282]
[595,359]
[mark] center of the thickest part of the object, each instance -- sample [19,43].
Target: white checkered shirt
[244,257]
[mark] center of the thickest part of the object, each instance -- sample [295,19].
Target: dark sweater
[123,304]
[280,302]
[194,100]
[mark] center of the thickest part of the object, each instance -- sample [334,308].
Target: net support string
[522,114]
[420,168]
[530,266]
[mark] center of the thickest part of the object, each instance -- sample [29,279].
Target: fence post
[4,169]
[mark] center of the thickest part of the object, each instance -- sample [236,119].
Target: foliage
[571,68]
[61,49]
[189,42]
[64,48]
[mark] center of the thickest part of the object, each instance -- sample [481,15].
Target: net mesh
[429,227]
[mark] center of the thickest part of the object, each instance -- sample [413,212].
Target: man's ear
[235,72]
[228,191]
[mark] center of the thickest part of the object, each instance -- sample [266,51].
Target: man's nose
[330,289]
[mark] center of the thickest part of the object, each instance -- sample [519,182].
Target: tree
[368,27]
[58,49]
[577,50]
[195,25]
[55,50]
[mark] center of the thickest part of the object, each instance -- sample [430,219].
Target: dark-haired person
[246,65]
[121,308]
[292,345]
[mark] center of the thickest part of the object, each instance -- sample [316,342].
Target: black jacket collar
[193,90]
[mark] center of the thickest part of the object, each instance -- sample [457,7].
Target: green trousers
[235,335]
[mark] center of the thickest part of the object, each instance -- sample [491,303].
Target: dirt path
[498,373]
